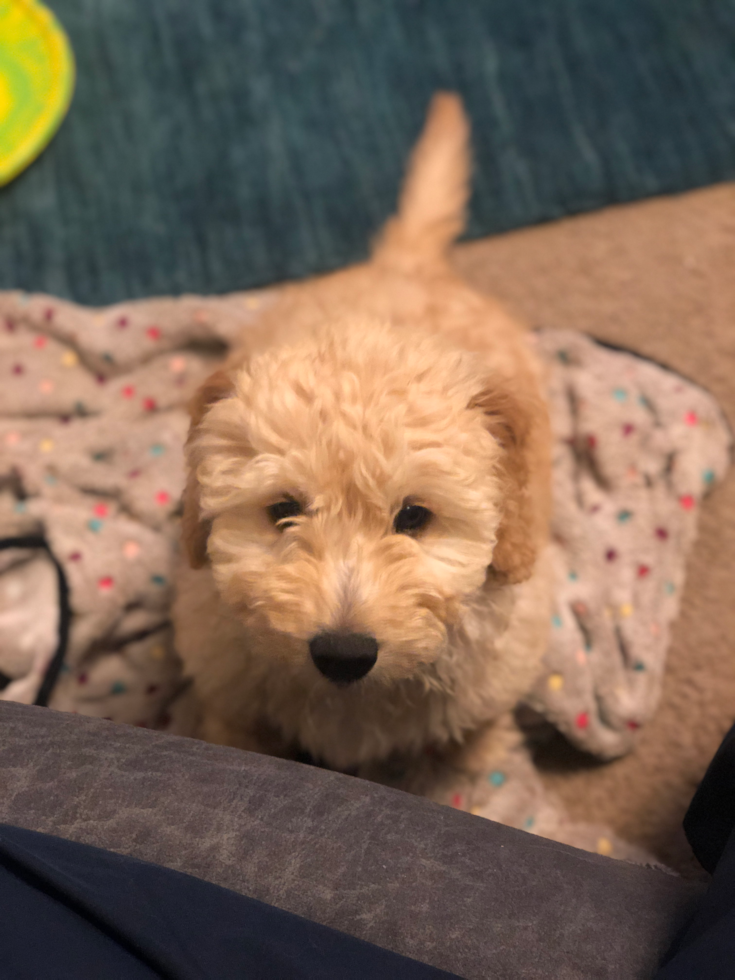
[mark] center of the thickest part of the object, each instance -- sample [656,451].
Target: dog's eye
[282,510]
[411,518]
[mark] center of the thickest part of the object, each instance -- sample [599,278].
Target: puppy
[368,503]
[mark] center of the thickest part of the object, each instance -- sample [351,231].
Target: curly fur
[385,383]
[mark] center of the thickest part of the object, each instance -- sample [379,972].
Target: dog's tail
[433,201]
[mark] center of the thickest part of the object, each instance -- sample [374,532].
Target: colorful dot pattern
[105,563]
[625,569]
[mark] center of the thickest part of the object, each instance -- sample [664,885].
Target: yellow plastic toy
[36,82]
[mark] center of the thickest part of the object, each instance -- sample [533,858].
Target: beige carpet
[657,277]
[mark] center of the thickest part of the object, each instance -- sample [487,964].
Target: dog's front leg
[459,773]
[485,749]
[256,738]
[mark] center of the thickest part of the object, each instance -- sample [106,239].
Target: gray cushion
[447,888]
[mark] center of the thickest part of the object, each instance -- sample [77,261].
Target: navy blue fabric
[710,819]
[221,144]
[705,950]
[73,912]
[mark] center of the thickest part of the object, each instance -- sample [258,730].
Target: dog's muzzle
[343,657]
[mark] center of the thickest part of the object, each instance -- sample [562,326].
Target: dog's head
[353,491]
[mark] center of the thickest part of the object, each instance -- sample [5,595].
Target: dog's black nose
[344,657]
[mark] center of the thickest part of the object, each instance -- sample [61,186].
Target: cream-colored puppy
[368,503]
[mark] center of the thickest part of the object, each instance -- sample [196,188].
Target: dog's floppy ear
[518,424]
[194,530]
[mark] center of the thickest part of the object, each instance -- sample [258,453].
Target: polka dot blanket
[92,425]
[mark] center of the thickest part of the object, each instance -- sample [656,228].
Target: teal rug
[215,145]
